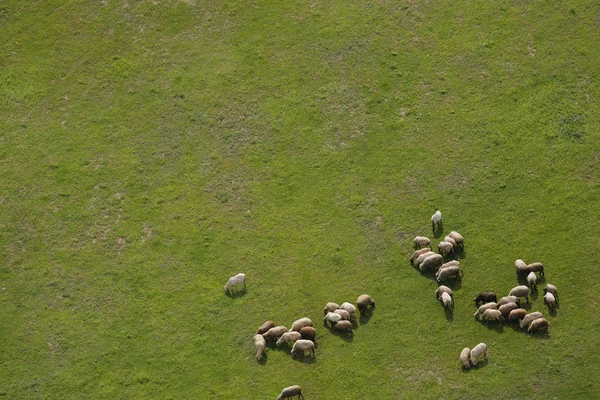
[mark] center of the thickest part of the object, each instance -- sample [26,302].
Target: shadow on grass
[348,337]
[497,326]
[263,360]
[235,294]
[438,230]
[449,312]
[480,364]
[366,317]
[539,335]
[454,284]
[305,359]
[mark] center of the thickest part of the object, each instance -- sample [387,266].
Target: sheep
[536,267]
[436,219]
[234,281]
[448,272]
[539,324]
[550,300]
[442,289]
[552,289]
[491,315]
[333,318]
[432,262]
[508,299]
[505,309]
[330,307]
[302,322]
[348,307]
[479,351]
[450,240]
[458,238]
[450,264]
[303,345]
[363,302]
[484,307]
[532,280]
[419,252]
[446,300]
[521,267]
[520,291]
[342,313]
[485,297]
[344,326]
[309,333]
[465,356]
[421,241]
[422,258]
[287,337]
[260,344]
[275,332]
[290,392]
[265,327]
[527,319]
[445,248]
[519,313]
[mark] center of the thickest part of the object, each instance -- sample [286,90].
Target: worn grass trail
[148,152]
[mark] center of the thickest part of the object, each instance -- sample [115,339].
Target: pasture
[151,150]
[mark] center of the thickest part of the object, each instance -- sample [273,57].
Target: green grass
[150,151]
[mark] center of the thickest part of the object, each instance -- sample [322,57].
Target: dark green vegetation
[149,152]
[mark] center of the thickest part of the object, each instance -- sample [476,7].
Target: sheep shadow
[493,326]
[263,360]
[542,335]
[438,230]
[533,294]
[454,284]
[449,313]
[365,318]
[305,359]
[480,364]
[348,337]
[235,294]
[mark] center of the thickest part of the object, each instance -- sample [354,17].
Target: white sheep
[275,332]
[436,219]
[516,314]
[303,345]
[505,309]
[539,324]
[445,248]
[260,344]
[417,253]
[348,307]
[442,289]
[265,327]
[432,262]
[465,356]
[234,281]
[520,291]
[491,315]
[550,300]
[478,352]
[521,267]
[423,257]
[421,241]
[450,240]
[458,238]
[330,307]
[446,300]
[332,317]
[301,323]
[363,302]
[484,307]
[529,318]
[291,391]
[532,280]
[344,326]
[508,299]
[451,271]
[552,289]
[342,313]
[287,337]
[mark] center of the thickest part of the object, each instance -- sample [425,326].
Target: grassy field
[151,150]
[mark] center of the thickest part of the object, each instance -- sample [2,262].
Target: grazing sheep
[521,267]
[517,314]
[418,253]
[290,392]
[529,318]
[450,264]
[234,281]
[465,356]
[333,318]
[301,323]
[539,324]
[550,300]
[330,307]
[344,326]
[458,238]
[265,327]
[445,248]
[287,337]
[520,291]
[552,289]
[485,297]
[363,302]
[508,299]
[446,300]
[484,307]
[442,289]
[478,352]
[275,332]
[343,313]
[348,307]
[505,309]
[309,333]
[260,344]
[532,280]
[491,315]
[421,241]
[302,346]
[423,257]
[536,267]
[448,272]
[450,240]
[431,262]
[436,219]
